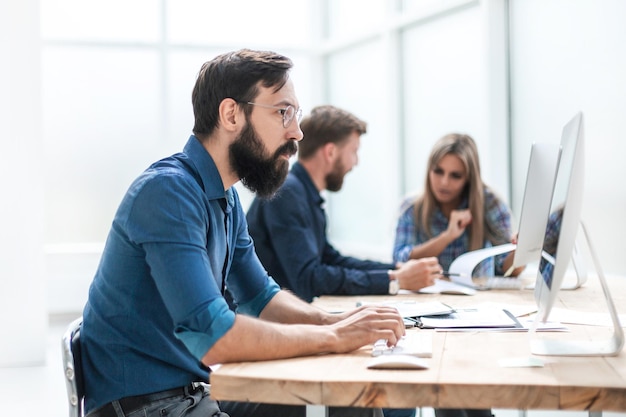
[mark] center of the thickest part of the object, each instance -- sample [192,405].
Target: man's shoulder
[292,188]
[289,196]
[292,184]
[167,170]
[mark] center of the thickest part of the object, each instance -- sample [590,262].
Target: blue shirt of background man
[156,304]
[408,235]
[289,232]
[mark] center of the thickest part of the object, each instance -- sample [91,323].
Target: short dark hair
[234,75]
[326,124]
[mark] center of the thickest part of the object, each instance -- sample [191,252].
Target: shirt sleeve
[498,219]
[312,267]
[406,234]
[174,237]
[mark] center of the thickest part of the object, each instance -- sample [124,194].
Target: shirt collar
[204,167]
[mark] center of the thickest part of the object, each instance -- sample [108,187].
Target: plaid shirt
[407,235]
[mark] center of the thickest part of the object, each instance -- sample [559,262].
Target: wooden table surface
[465,369]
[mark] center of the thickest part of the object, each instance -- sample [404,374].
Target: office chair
[72,367]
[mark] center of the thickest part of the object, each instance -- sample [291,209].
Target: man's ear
[230,114]
[329,150]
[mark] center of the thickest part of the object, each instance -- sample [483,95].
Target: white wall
[412,90]
[23,313]
[569,56]
[117,81]
[116,87]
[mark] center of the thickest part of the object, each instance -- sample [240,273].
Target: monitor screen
[564,218]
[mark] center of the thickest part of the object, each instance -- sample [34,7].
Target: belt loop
[118,409]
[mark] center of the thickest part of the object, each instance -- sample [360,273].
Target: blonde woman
[456,213]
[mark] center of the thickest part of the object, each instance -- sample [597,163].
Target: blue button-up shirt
[156,304]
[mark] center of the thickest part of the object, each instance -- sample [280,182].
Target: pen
[450,274]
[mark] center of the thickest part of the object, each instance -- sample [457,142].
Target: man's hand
[365,325]
[415,274]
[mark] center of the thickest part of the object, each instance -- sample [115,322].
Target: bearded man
[157,316]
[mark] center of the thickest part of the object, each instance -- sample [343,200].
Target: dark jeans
[198,403]
[192,403]
[399,412]
[238,409]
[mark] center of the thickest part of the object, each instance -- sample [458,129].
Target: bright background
[91,92]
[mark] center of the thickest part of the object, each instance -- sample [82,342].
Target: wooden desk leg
[317,411]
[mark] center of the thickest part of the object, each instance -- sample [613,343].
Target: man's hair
[326,124]
[234,75]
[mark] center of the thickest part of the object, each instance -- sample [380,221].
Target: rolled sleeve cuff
[258,303]
[218,318]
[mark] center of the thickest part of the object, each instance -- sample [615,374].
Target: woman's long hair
[464,147]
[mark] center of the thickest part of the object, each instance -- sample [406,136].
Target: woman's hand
[459,220]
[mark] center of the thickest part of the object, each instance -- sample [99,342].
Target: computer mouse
[397,361]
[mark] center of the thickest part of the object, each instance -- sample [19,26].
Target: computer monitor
[540,177]
[563,225]
[540,180]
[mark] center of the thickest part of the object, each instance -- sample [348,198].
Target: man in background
[289,230]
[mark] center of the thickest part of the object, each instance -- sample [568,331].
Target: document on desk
[442,286]
[416,308]
[472,318]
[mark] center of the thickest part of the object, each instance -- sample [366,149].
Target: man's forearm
[285,307]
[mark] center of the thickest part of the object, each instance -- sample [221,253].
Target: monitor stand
[608,347]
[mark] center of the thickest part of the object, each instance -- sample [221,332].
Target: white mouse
[397,361]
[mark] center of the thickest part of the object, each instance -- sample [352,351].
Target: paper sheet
[446,287]
[465,264]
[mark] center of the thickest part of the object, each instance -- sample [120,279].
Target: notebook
[472,318]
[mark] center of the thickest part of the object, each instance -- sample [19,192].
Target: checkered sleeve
[406,236]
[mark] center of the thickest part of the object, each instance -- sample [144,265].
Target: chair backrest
[72,367]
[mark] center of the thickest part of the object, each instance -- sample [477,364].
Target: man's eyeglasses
[288,112]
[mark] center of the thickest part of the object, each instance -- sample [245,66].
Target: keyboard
[414,343]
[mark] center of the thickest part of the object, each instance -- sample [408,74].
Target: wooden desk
[464,370]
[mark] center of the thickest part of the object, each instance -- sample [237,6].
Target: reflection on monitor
[564,218]
[560,236]
[540,177]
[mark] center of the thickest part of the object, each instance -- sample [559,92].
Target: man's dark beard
[334,179]
[260,175]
